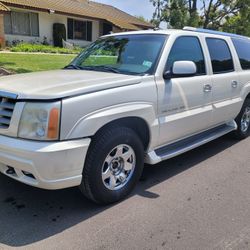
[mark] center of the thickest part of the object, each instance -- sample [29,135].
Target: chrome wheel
[245,120]
[118,167]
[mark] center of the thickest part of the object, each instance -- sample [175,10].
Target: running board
[182,146]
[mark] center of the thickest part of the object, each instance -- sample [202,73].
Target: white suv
[128,99]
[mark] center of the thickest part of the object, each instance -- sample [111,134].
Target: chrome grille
[7,105]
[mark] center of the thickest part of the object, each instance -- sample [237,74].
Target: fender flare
[245,91]
[88,125]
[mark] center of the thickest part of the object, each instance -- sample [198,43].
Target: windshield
[124,54]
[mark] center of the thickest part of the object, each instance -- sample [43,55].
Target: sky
[134,7]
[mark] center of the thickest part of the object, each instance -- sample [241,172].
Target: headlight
[40,121]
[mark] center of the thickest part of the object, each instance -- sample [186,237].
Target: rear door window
[242,47]
[221,57]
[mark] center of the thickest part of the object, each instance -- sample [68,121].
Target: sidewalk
[34,53]
[4,72]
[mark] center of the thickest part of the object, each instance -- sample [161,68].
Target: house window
[21,23]
[107,28]
[79,30]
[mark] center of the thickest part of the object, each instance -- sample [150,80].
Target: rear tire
[113,165]
[243,122]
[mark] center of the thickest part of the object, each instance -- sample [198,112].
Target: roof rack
[215,32]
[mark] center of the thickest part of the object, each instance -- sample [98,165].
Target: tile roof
[3,7]
[84,8]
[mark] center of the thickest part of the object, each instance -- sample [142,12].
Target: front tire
[243,121]
[113,165]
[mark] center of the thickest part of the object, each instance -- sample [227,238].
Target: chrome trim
[8,95]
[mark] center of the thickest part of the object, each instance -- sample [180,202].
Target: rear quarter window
[242,47]
[221,57]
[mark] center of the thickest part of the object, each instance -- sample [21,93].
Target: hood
[63,83]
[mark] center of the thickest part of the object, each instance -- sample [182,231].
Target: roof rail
[215,32]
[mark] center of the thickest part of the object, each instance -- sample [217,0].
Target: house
[85,21]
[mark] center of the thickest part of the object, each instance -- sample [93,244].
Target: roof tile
[86,9]
[3,7]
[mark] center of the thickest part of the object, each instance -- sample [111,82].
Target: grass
[24,63]
[26,47]
[100,60]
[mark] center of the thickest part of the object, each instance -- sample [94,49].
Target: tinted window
[243,50]
[220,54]
[187,49]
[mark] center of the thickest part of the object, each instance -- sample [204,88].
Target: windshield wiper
[72,66]
[101,67]
[104,68]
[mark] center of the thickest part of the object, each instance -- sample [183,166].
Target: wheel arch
[141,117]
[137,124]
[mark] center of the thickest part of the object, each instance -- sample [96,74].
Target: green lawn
[24,63]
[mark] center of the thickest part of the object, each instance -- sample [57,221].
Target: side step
[182,146]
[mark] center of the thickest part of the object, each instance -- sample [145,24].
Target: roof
[3,8]
[83,8]
[184,32]
[215,32]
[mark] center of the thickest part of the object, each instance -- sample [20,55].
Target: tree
[177,13]
[239,23]
[213,14]
[142,18]
[158,15]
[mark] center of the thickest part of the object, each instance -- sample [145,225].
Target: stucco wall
[46,22]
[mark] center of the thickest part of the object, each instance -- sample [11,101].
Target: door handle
[207,88]
[234,84]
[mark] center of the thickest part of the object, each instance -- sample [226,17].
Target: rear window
[242,47]
[220,54]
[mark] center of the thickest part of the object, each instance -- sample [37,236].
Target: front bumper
[47,165]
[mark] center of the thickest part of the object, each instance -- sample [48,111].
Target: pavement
[35,53]
[199,200]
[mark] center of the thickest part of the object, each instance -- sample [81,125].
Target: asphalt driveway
[200,200]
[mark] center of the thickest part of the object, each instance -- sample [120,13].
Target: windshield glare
[127,54]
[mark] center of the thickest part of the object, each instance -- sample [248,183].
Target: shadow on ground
[28,215]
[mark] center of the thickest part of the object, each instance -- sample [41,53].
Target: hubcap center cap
[116,165]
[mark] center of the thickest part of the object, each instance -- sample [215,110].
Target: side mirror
[181,69]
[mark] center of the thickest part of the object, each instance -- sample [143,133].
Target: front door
[185,104]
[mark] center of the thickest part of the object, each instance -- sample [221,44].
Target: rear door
[225,80]
[242,48]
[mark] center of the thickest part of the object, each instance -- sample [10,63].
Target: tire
[108,156]
[244,116]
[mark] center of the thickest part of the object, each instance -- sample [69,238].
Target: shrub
[59,34]
[26,47]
